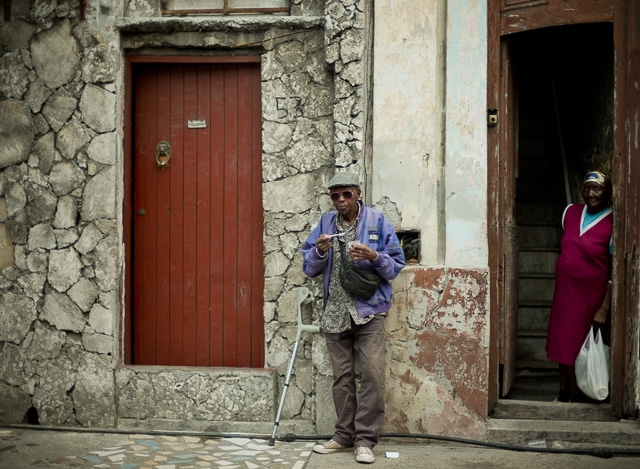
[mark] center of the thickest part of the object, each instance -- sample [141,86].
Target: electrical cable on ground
[602,452]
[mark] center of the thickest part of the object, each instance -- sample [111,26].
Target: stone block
[61,312]
[59,108]
[55,54]
[41,206]
[38,261]
[98,108]
[72,138]
[103,149]
[88,239]
[14,76]
[106,263]
[41,236]
[66,212]
[64,268]
[50,398]
[36,95]
[33,285]
[14,404]
[276,264]
[99,196]
[44,149]
[99,64]
[17,132]
[276,194]
[85,293]
[101,319]
[66,238]
[94,392]
[17,313]
[98,343]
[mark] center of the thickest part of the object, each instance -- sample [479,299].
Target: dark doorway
[565,94]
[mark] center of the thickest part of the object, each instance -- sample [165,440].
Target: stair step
[532,333]
[524,275]
[536,289]
[523,431]
[533,318]
[529,410]
[534,303]
[536,364]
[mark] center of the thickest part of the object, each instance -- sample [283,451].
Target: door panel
[508,102]
[197,223]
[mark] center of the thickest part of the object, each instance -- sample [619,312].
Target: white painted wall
[407,115]
[465,170]
[429,124]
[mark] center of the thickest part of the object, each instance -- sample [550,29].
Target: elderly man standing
[366,239]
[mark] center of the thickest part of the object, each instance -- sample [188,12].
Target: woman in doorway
[582,295]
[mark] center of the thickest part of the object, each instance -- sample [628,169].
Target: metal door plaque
[197,124]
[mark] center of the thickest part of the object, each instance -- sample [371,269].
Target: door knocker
[163,154]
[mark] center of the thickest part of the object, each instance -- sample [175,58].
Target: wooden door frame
[127,206]
[624,359]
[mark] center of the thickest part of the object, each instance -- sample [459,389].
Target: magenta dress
[582,272]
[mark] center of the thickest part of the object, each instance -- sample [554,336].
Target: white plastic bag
[592,367]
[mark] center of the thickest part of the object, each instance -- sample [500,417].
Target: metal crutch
[304,297]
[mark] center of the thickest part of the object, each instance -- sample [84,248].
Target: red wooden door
[197,222]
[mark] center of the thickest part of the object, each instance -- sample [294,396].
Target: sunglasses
[335,196]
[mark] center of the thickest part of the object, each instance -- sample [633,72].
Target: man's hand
[323,243]
[361,251]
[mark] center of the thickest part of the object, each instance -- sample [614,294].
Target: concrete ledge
[529,410]
[182,398]
[208,24]
[520,432]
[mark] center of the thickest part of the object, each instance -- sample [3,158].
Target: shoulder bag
[356,280]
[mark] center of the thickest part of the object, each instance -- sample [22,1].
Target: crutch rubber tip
[272,441]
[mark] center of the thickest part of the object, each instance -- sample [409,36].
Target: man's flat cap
[344,179]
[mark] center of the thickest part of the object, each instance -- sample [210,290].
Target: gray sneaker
[329,447]
[365,455]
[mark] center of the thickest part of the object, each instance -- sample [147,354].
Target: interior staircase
[540,201]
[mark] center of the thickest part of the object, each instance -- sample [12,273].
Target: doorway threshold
[511,409]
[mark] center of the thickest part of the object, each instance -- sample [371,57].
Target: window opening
[223,7]
[410,242]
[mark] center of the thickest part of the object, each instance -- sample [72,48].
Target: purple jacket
[375,231]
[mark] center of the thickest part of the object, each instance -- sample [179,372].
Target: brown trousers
[359,420]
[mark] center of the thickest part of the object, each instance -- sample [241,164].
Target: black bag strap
[343,260]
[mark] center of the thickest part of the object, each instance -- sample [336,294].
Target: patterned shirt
[341,307]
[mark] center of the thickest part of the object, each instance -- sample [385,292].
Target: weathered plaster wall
[429,173]
[407,116]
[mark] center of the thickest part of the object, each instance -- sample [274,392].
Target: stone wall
[59,150]
[61,166]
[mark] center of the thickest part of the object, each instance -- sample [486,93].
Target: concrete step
[531,348]
[535,289]
[533,212]
[538,236]
[531,410]
[601,434]
[533,318]
[538,261]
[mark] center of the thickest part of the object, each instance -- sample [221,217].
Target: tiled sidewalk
[182,452]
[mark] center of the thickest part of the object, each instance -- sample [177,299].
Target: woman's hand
[361,251]
[600,317]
